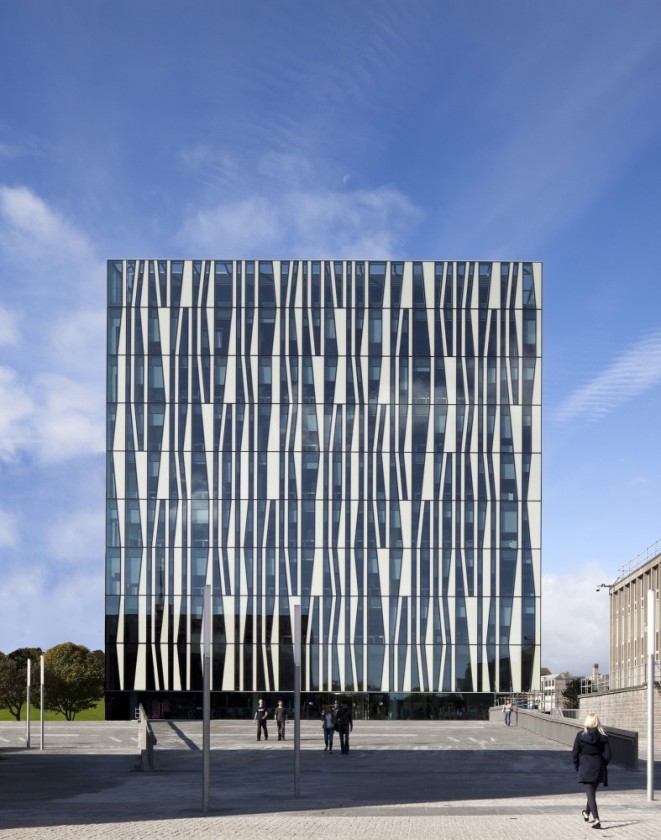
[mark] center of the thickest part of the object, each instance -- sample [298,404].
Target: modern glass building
[363,434]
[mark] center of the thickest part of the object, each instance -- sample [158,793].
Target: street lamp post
[651,639]
[41,703]
[296,604]
[27,713]
[206,697]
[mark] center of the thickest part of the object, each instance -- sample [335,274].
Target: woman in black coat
[591,754]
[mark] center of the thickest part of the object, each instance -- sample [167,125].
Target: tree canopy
[13,678]
[74,679]
[572,692]
[12,686]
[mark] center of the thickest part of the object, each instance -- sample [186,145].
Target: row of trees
[73,679]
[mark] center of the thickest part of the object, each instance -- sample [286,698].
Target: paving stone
[426,780]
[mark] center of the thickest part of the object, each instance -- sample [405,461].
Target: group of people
[333,720]
[591,755]
[261,717]
[337,720]
[591,752]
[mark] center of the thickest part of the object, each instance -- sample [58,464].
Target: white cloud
[47,607]
[575,620]
[31,231]
[78,343]
[10,334]
[79,535]
[637,370]
[56,261]
[52,408]
[70,419]
[311,223]
[53,418]
[285,204]
[231,228]
[16,412]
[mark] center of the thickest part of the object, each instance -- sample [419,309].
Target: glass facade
[365,435]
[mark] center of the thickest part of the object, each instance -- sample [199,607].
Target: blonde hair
[592,722]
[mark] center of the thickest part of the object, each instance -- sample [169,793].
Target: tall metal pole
[296,603]
[27,713]
[651,639]
[41,703]
[206,700]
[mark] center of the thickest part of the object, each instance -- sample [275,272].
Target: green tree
[74,679]
[21,656]
[12,686]
[572,692]
[13,678]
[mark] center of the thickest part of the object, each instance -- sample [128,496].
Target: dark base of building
[123,705]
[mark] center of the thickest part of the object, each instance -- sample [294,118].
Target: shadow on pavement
[41,789]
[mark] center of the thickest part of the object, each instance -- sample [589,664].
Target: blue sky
[425,129]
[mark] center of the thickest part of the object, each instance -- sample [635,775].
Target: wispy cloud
[52,396]
[51,418]
[292,214]
[76,537]
[16,411]
[44,608]
[17,143]
[569,137]
[70,418]
[31,231]
[77,340]
[637,370]
[8,529]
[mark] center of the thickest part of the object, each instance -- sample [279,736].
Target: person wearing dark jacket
[344,723]
[591,754]
[281,719]
[260,719]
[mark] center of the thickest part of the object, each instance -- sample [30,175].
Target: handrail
[146,741]
[638,561]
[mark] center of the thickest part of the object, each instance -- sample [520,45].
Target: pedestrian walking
[507,712]
[328,725]
[261,716]
[344,723]
[281,719]
[591,755]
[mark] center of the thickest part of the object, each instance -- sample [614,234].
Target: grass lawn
[95,713]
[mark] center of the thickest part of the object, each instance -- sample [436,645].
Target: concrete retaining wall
[625,708]
[624,744]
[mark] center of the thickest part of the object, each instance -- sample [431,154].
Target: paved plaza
[464,779]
